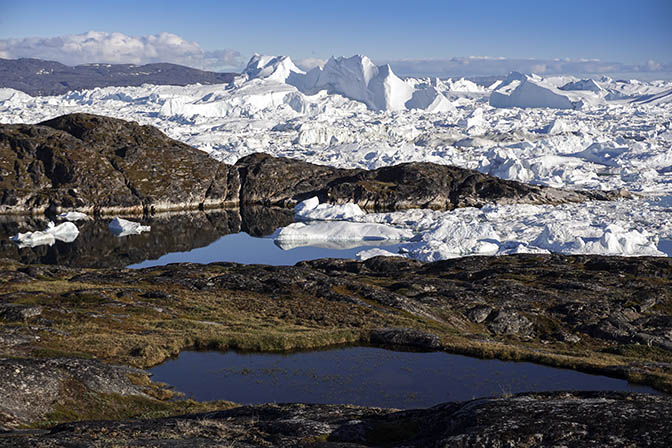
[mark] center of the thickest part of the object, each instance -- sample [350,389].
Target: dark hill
[37,77]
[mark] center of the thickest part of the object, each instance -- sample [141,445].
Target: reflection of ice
[376,252]
[332,244]
[123,227]
[73,216]
[66,232]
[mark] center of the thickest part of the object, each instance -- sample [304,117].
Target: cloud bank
[489,66]
[118,48]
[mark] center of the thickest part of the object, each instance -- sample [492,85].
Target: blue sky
[629,32]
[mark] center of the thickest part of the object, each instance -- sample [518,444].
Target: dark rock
[30,388]
[285,182]
[407,337]
[533,419]
[18,313]
[479,313]
[101,164]
[506,322]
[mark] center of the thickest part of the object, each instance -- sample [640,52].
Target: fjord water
[366,376]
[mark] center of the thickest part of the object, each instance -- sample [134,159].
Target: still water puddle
[366,376]
[243,248]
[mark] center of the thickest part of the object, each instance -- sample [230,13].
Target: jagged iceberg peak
[357,66]
[520,90]
[274,68]
[583,84]
[356,78]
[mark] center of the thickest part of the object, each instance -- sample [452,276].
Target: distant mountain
[37,77]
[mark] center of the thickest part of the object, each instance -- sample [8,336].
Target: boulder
[98,164]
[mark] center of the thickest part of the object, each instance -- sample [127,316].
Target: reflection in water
[366,376]
[97,247]
[243,248]
[334,244]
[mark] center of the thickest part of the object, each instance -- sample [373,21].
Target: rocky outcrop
[551,297]
[31,388]
[104,165]
[285,182]
[546,419]
[599,314]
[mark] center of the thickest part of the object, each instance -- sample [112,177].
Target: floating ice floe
[123,227]
[66,232]
[312,210]
[339,231]
[73,216]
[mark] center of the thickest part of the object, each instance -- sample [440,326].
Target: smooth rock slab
[585,419]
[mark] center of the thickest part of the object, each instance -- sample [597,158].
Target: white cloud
[653,65]
[116,48]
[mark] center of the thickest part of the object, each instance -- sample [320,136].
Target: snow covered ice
[560,131]
[123,227]
[311,209]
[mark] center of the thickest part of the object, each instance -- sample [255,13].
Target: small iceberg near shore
[123,227]
[312,210]
[341,231]
[66,232]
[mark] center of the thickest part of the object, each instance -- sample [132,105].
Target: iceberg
[340,231]
[123,227]
[312,210]
[66,232]
[273,68]
[519,90]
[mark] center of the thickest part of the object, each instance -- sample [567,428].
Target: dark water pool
[243,248]
[366,376]
[235,235]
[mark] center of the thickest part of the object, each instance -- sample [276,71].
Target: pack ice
[561,131]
